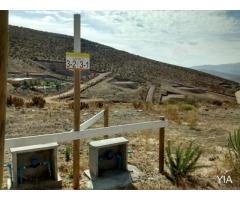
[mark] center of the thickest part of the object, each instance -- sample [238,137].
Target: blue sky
[185,38]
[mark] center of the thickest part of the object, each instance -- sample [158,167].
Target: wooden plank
[90,133]
[3,84]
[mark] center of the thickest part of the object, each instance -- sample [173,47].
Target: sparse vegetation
[183,162]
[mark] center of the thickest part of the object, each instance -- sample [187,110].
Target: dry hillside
[27,45]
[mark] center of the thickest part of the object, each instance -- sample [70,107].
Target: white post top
[31,148]
[108,142]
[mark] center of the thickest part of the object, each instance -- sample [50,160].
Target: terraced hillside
[27,45]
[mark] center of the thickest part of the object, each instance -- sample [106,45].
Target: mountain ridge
[230,71]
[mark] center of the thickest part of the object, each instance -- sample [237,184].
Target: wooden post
[3,84]
[77,81]
[106,119]
[161,147]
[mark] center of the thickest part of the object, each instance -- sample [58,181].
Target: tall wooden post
[106,119]
[161,147]
[3,84]
[77,75]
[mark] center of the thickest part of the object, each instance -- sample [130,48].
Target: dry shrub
[38,101]
[172,113]
[137,105]
[9,100]
[217,103]
[83,105]
[148,106]
[71,105]
[186,107]
[17,101]
[99,104]
[29,104]
[192,118]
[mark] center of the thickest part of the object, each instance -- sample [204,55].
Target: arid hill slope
[27,44]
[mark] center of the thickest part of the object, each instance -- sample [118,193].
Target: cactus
[183,162]
[234,148]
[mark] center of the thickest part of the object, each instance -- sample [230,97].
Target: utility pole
[77,81]
[3,84]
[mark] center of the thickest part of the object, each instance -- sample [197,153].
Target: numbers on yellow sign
[77,60]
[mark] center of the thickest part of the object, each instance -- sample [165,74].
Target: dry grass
[192,119]
[172,113]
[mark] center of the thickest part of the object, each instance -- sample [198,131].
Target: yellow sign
[77,60]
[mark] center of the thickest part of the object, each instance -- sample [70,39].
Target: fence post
[106,119]
[3,84]
[161,147]
[77,81]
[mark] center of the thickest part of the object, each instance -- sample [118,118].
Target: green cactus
[183,162]
[234,148]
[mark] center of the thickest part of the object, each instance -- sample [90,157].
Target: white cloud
[184,38]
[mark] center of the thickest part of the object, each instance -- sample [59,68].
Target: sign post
[3,84]
[161,147]
[77,61]
[77,74]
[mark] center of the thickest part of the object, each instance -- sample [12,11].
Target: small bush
[68,151]
[183,162]
[29,104]
[192,119]
[217,103]
[9,100]
[234,149]
[172,113]
[186,107]
[71,105]
[38,101]
[137,105]
[83,105]
[99,104]
[17,102]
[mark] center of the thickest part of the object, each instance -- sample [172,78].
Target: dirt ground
[210,132]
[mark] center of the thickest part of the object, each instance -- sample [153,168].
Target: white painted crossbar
[85,125]
[90,133]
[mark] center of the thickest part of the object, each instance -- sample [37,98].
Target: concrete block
[107,154]
[35,167]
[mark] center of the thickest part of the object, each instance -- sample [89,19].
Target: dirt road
[151,90]
[84,86]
